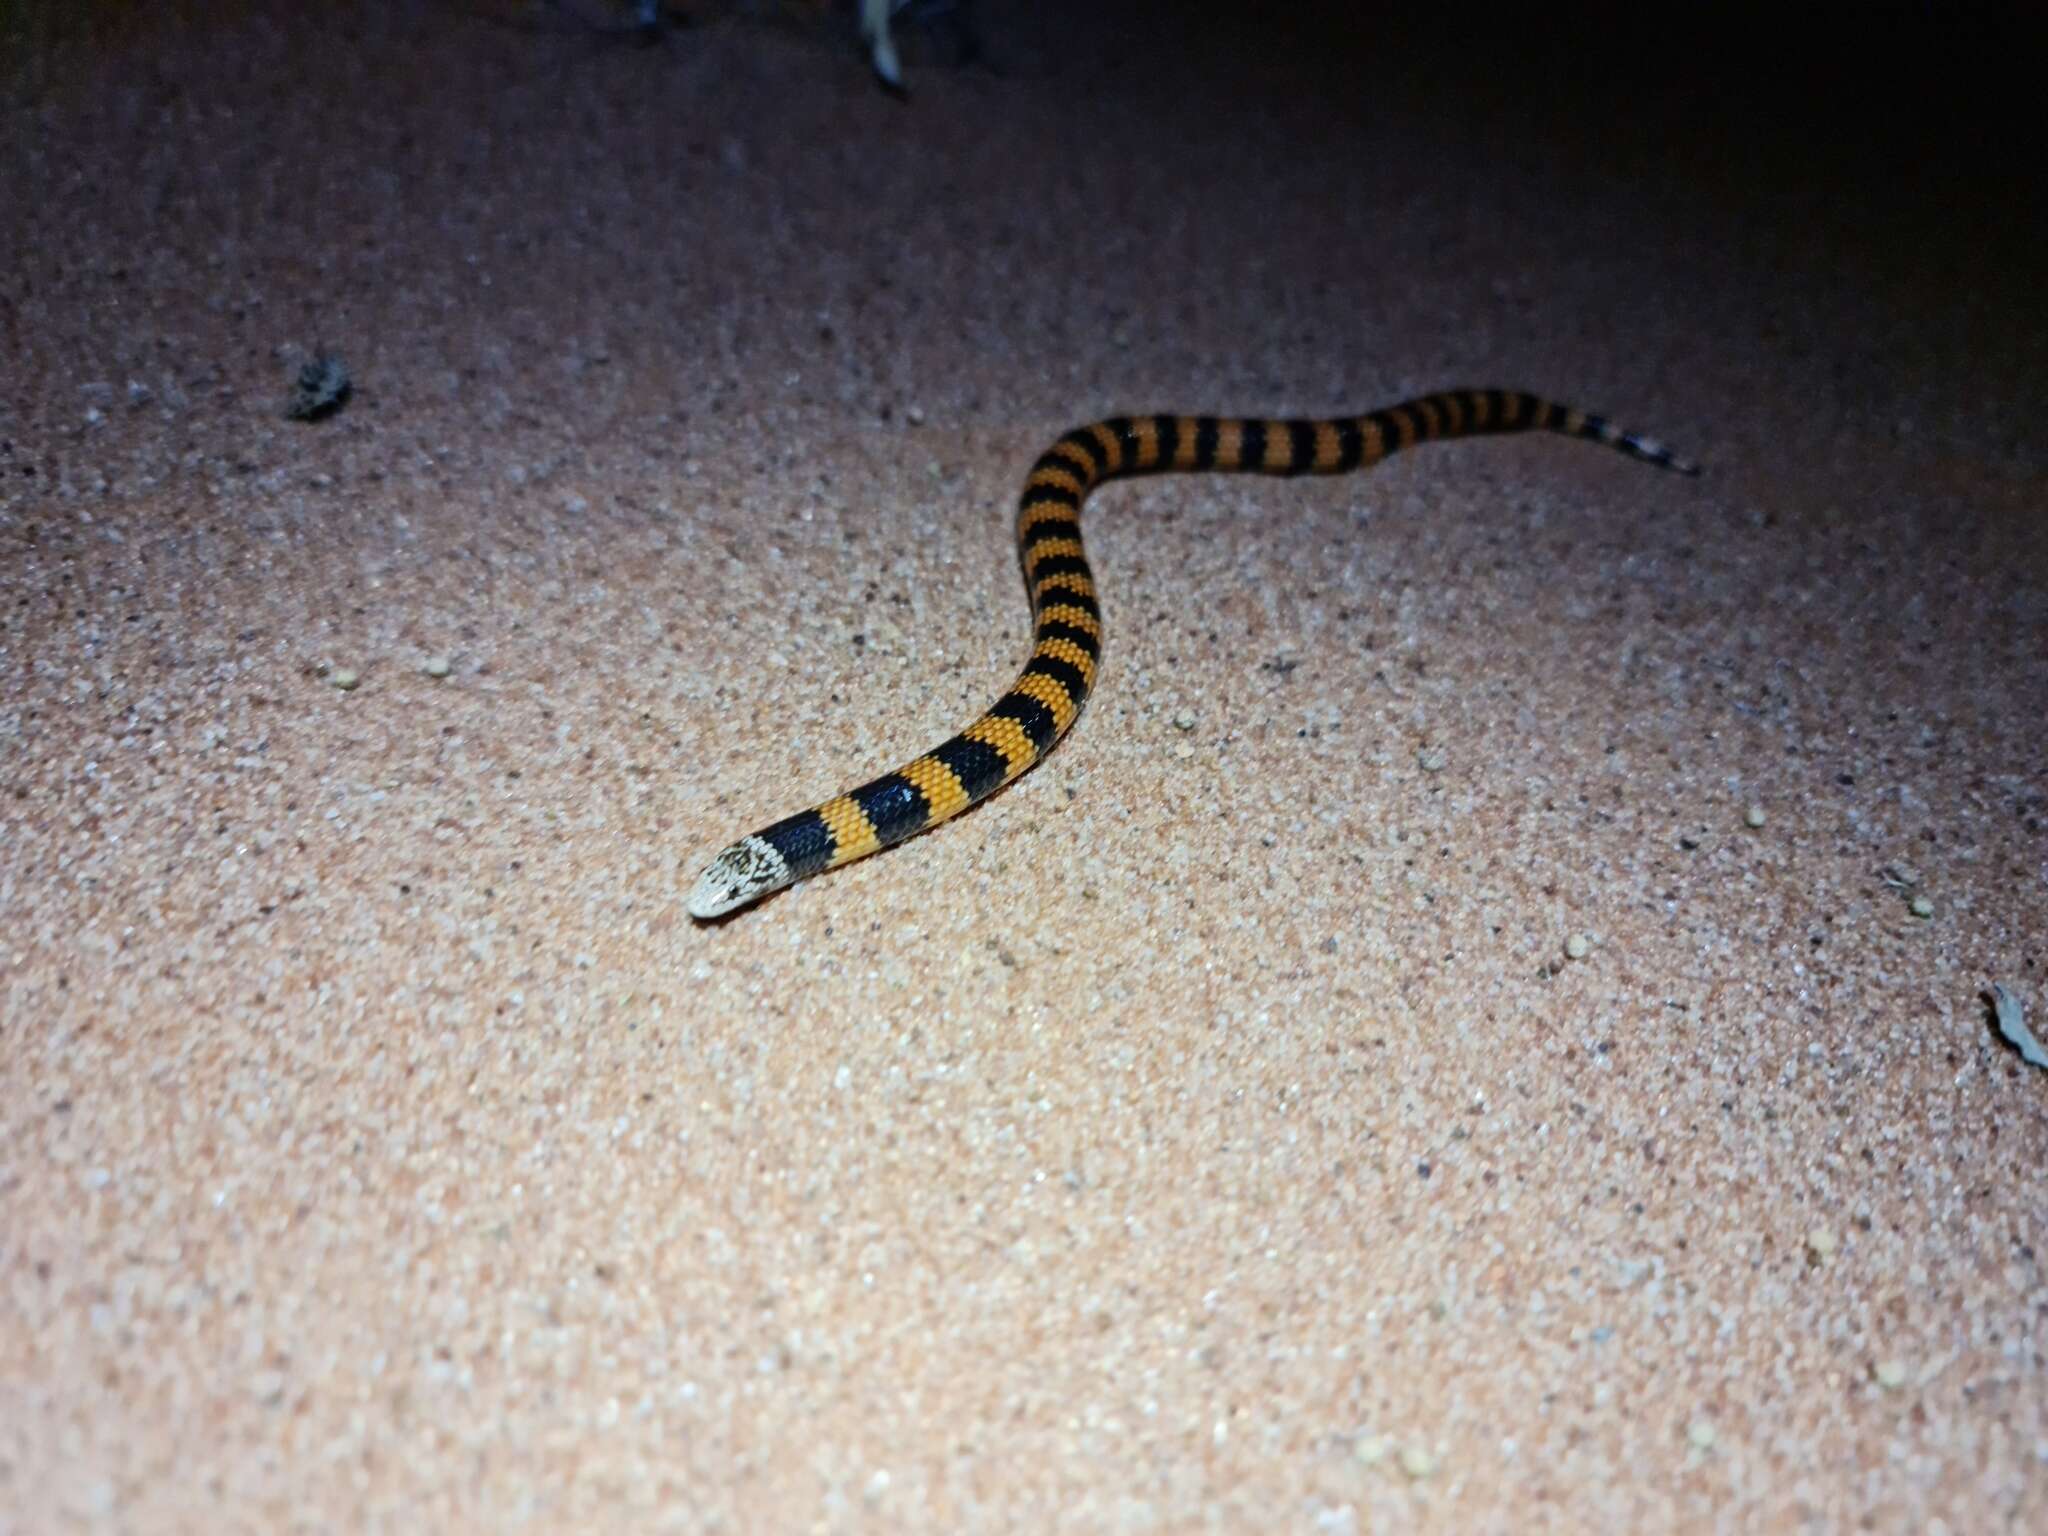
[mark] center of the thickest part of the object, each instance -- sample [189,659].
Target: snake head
[743,873]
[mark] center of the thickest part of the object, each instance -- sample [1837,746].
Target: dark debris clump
[321,388]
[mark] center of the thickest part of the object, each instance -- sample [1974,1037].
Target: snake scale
[1022,726]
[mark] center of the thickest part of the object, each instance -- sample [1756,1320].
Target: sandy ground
[1375,1076]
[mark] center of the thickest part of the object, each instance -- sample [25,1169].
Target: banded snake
[1021,727]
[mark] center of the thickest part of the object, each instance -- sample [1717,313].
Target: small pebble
[1417,1462]
[1184,720]
[1577,947]
[1890,1374]
[1820,1244]
[345,678]
[1920,906]
[1372,1449]
[915,415]
[1754,816]
[1701,1434]
[436,666]
[1431,760]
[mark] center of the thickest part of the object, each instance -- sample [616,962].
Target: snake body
[1022,726]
